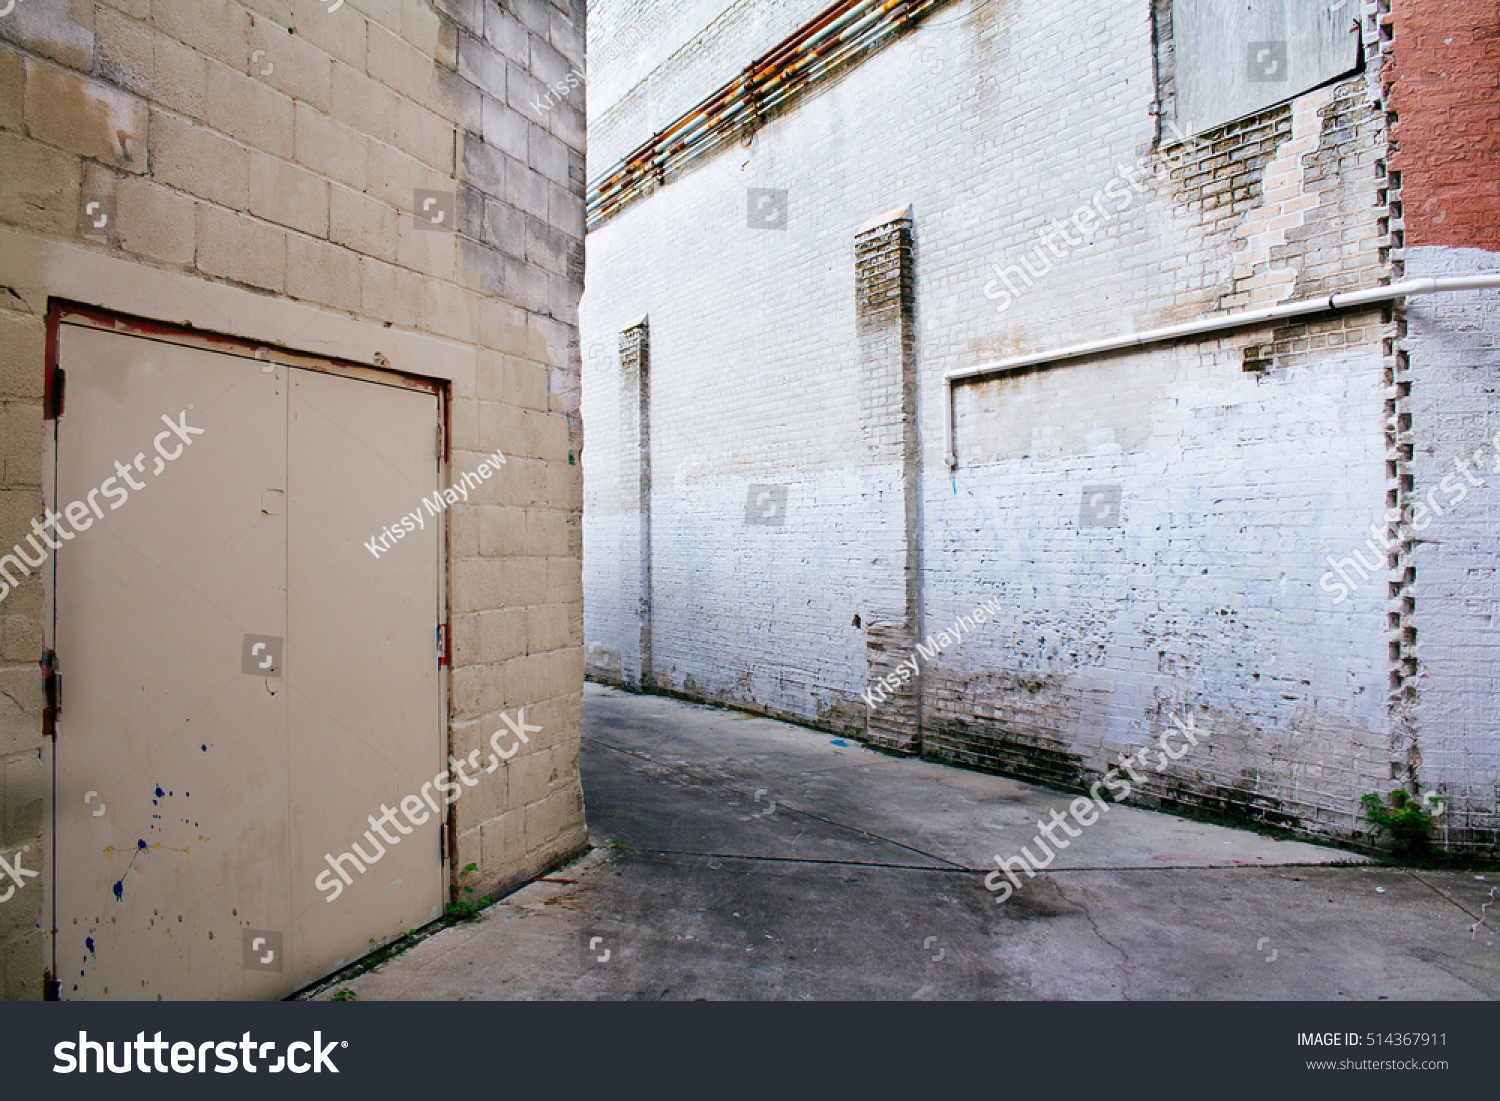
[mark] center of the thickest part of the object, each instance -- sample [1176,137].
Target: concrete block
[320,272]
[451,311]
[38,185]
[456,100]
[85,116]
[395,178]
[526,95]
[330,148]
[179,79]
[502,532]
[506,33]
[476,585]
[341,34]
[290,64]
[482,66]
[427,136]
[124,49]
[525,583]
[219,29]
[21,707]
[21,637]
[477,689]
[408,303]
[250,111]
[23,351]
[421,26]
[288,195]
[62,32]
[557,819]
[525,383]
[551,627]
[240,248]
[155,222]
[27,782]
[362,224]
[12,88]
[564,581]
[190,158]
[394,62]
[468,14]
[23,966]
[504,840]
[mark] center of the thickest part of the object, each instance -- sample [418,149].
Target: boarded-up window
[1233,58]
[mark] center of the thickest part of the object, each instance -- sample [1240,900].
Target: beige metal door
[218,638]
[363,697]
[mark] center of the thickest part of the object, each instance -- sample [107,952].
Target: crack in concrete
[953,870]
[1445,896]
[1125,972]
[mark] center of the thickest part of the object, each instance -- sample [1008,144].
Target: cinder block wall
[1242,462]
[274,147]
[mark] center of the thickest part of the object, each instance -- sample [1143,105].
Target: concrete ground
[738,857]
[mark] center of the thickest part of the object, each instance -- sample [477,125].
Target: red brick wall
[1443,82]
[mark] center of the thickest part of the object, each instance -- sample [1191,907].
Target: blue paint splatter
[159,792]
[204,748]
[140,847]
[838,741]
[89,942]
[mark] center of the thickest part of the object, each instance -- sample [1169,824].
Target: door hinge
[442,643]
[52,691]
[440,443]
[54,390]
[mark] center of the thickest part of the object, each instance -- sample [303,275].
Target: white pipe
[1203,325]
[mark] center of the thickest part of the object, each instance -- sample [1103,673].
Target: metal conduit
[840,34]
[1204,325]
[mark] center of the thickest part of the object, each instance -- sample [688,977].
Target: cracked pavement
[737,857]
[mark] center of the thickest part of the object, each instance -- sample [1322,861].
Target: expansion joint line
[806,814]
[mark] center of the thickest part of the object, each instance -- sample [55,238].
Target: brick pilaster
[635,372]
[884,319]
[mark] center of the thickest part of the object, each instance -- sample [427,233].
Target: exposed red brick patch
[1443,82]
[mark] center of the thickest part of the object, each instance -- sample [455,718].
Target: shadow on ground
[739,857]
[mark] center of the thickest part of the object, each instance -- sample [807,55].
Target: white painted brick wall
[1236,484]
[1454,344]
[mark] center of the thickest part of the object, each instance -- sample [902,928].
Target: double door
[245,685]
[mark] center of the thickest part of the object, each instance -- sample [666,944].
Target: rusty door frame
[62,311]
